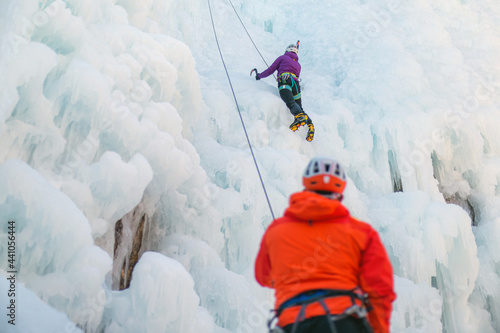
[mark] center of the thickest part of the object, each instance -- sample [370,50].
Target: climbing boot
[310,132]
[300,120]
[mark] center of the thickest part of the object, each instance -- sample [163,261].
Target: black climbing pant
[320,324]
[290,94]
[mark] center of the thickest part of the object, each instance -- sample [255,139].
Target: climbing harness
[304,299]
[286,75]
[283,80]
[239,112]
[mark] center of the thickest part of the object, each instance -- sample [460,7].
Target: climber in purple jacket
[288,68]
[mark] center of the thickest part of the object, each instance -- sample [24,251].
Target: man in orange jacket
[327,268]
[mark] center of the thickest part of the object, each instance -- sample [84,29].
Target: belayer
[330,271]
[288,68]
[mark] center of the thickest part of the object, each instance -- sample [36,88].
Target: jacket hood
[292,55]
[312,206]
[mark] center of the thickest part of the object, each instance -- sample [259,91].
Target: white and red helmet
[324,174]
[292,48]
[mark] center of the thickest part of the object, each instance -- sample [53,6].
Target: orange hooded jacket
[318,245]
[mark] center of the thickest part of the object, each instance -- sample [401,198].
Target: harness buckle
[284,77]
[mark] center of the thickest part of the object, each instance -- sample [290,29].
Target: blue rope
[239,112]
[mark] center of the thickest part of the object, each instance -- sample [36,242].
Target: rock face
[129,234]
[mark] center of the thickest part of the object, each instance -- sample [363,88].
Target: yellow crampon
[300,120]
[310,132]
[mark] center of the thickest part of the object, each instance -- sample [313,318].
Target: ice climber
[288,68]
[330,271]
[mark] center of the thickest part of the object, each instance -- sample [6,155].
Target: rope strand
[248,34]
[239,112]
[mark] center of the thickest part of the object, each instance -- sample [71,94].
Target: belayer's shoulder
[280,221]
[362,225]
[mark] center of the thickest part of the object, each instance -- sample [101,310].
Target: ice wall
[161,292]
[111,108]
[54,252]
[34,315]
[90,106]
[403,94]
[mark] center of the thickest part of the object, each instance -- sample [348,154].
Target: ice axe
[256,73]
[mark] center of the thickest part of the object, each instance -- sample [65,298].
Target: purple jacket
[288,62]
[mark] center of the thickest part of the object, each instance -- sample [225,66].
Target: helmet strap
[335,196]
[331,195]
